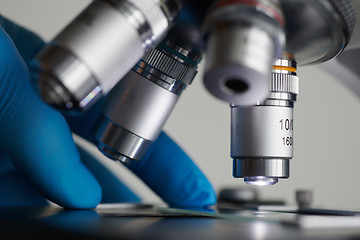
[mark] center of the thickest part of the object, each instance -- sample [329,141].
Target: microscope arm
[346,68]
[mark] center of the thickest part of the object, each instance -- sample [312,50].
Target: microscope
[140,55]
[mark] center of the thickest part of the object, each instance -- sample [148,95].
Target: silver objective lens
[243,38]
[98,48]
[262,135]
[136,109]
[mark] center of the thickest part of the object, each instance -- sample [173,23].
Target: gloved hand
[38,157]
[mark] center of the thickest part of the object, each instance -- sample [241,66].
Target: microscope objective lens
[136,110]
[82,63]
[262,135]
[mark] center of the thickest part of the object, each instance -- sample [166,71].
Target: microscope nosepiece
[262,135]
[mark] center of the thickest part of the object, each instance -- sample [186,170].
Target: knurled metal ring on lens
[284,83]
[169,66]
[284,77]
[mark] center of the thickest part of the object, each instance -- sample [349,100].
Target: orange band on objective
[289,69]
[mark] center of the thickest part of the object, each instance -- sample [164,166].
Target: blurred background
[327,125]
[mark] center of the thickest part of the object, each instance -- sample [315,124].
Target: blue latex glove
[36,139]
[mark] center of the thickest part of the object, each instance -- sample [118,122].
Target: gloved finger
[26,42]
[38,139]
[14,189]
[171,174]
[113,190]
